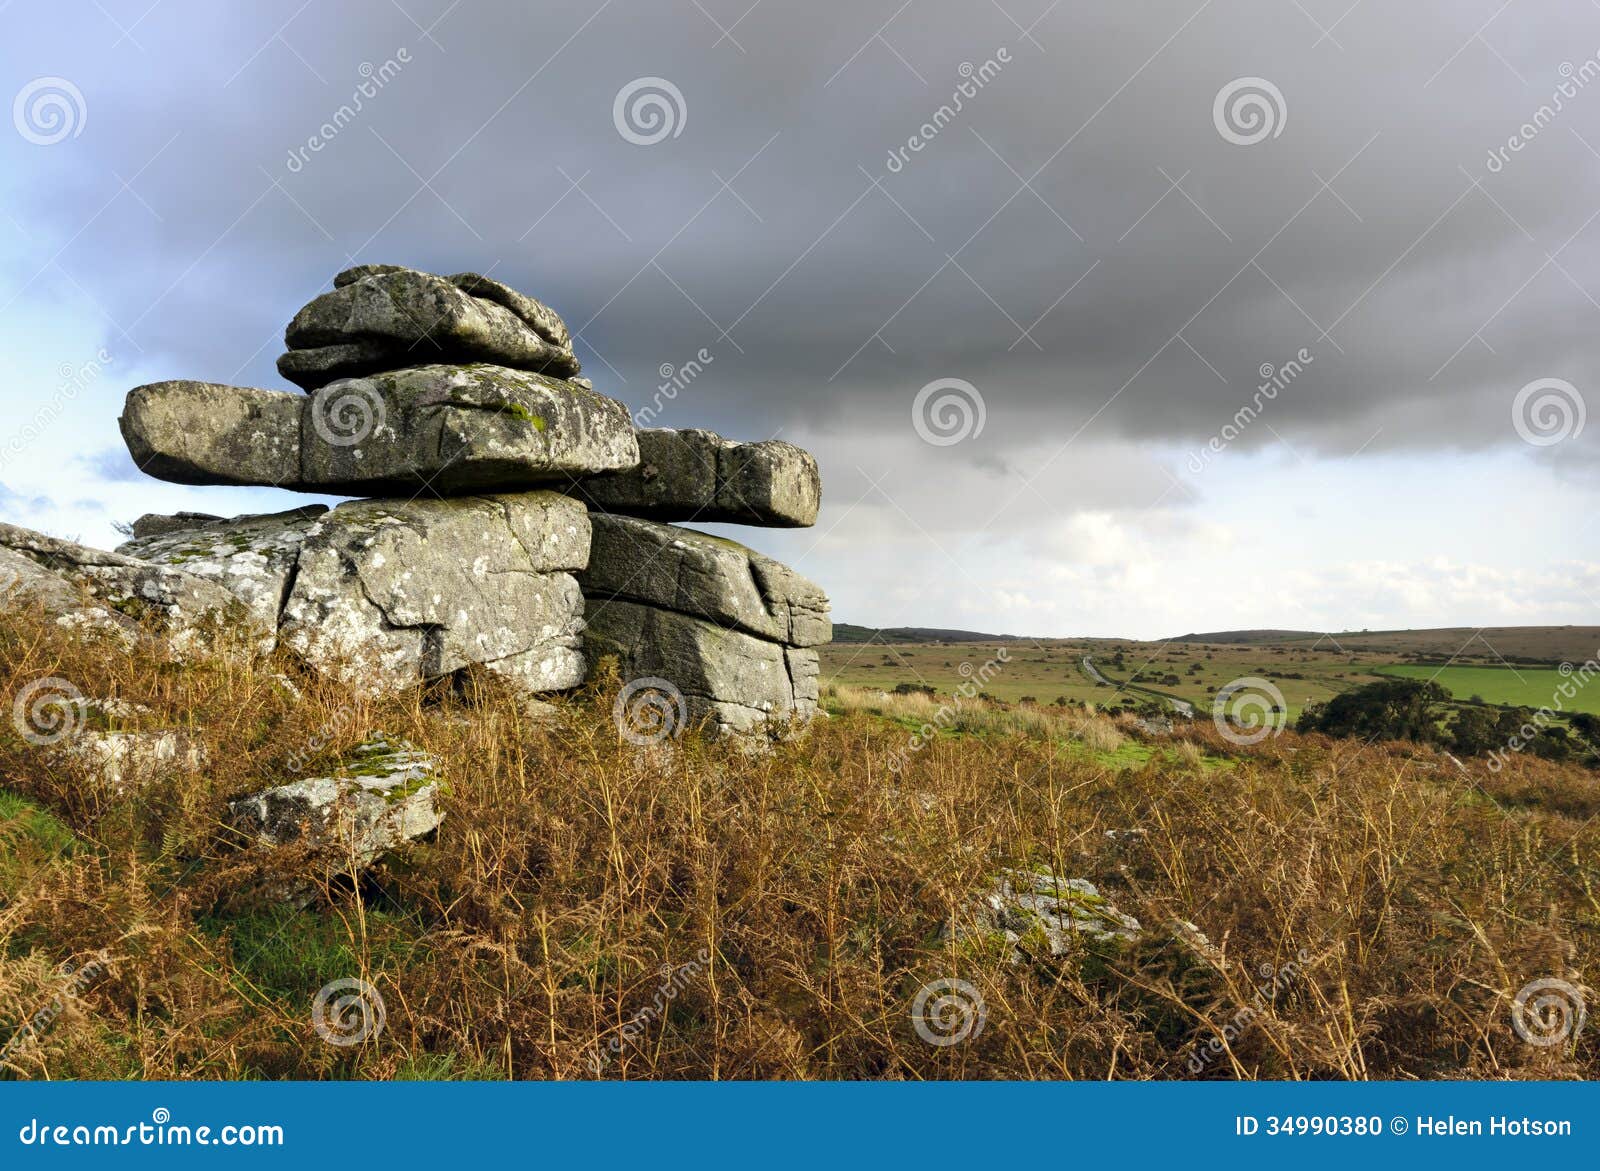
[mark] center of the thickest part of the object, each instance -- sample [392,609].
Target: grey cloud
[652,262]
[1130,293]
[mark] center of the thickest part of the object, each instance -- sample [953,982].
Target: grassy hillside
[844,632]
[798,900]
[1492,644]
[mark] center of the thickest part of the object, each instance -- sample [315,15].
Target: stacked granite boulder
[503,493]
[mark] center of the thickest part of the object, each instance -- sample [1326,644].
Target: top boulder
[382,317]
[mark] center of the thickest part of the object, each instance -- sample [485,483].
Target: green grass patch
[1518,687]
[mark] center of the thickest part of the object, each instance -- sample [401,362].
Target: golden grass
[1400,904]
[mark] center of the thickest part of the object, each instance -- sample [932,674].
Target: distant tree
[1477,731]
[1394,709]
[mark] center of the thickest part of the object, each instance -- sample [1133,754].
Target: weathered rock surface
[703,577]
[124,760]
[154,524]
[253,557]
[389,317]
[736,681]
[448,429]
[535,314]
[385,795]
[686,475]
[1038,913]
[88,585]
[206,433]
[402,591]
[390,593]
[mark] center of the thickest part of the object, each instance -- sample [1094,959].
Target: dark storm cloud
[1133,287]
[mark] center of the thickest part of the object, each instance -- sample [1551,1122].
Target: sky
[1131,319]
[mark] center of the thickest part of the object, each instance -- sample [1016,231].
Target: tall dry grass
[1400,904]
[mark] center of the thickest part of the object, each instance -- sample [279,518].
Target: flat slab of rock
[687,475]
[702,576]
[384,317]
[446,429]
[386,794]
[734,681]
[154,524]
[206,433]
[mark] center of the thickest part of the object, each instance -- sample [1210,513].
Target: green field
[1519,686]
[1305,668]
